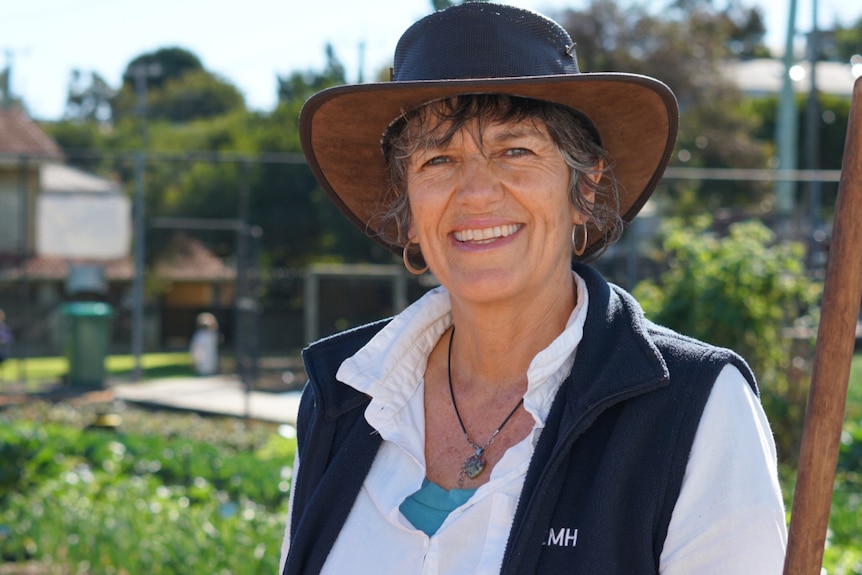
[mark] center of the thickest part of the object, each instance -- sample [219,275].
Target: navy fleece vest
[607,469]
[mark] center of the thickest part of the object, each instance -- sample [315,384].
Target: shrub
[741,291]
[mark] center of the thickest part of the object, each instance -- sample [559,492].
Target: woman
[524,417]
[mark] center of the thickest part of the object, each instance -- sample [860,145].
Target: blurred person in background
[204,345]
[6,340]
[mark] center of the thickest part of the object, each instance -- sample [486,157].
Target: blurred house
[24,149]
[764,76]
[65,235]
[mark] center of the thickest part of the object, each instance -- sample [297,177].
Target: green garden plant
[744,291]
[163,493]
[166,493]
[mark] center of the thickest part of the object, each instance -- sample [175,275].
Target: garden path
[219,394]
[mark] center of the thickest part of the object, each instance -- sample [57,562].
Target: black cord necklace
[475,464]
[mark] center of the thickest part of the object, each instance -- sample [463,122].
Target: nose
[479,180]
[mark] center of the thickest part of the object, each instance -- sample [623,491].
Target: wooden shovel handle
[832,356]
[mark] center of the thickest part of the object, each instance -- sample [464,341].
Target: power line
[752,174]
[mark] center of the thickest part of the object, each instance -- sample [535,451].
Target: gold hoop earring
[579,251]
[410,267]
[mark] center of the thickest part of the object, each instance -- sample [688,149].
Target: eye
[518,152]
[437,160]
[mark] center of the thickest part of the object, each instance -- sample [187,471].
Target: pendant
[474,465]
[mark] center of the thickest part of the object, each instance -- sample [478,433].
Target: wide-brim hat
[484,48]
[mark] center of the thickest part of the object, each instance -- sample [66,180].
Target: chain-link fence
[263,310]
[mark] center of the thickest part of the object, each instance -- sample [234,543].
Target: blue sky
[247,42]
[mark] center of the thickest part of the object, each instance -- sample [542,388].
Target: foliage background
[744,291]
[686,43]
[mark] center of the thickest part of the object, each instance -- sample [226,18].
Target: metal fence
[275,312]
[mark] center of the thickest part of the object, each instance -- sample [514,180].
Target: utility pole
[7,92]
[786,127]
[140,73]
[360,77]
[6,80]
[242,299]
[812,140]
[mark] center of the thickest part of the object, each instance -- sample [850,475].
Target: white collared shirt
[726,481]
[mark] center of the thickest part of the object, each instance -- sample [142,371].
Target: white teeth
[486,234]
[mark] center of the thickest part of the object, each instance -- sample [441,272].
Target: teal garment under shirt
[429,507]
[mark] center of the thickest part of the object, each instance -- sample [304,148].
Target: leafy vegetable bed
[165,493]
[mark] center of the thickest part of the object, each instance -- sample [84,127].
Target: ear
[410,225]
[578,217]
[411,232]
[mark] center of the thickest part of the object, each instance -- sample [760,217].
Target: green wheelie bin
[87,341]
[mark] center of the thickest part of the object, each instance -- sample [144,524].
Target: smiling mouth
[486,235]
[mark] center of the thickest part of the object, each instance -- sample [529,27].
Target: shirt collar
[390,368]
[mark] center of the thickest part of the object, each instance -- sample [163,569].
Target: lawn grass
[52,369]
[156,365]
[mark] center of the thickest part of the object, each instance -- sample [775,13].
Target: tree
[300,224]
[88,97]
[832,133]
[84,142]
[7,97]
[299,86]
[193,96]
[684,45]
[848,41]
[747,33]
[179,88]
[173,63]
[743,25]
[194,111]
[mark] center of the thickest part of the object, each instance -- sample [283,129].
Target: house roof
[53,267]
[21,136]
[56,268]
[188,259]
[58,178]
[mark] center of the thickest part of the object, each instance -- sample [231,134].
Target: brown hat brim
[341,128]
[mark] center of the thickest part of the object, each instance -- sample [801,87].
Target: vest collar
[616,358]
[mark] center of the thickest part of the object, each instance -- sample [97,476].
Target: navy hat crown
[481,40]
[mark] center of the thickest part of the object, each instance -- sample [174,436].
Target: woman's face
[493,218]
